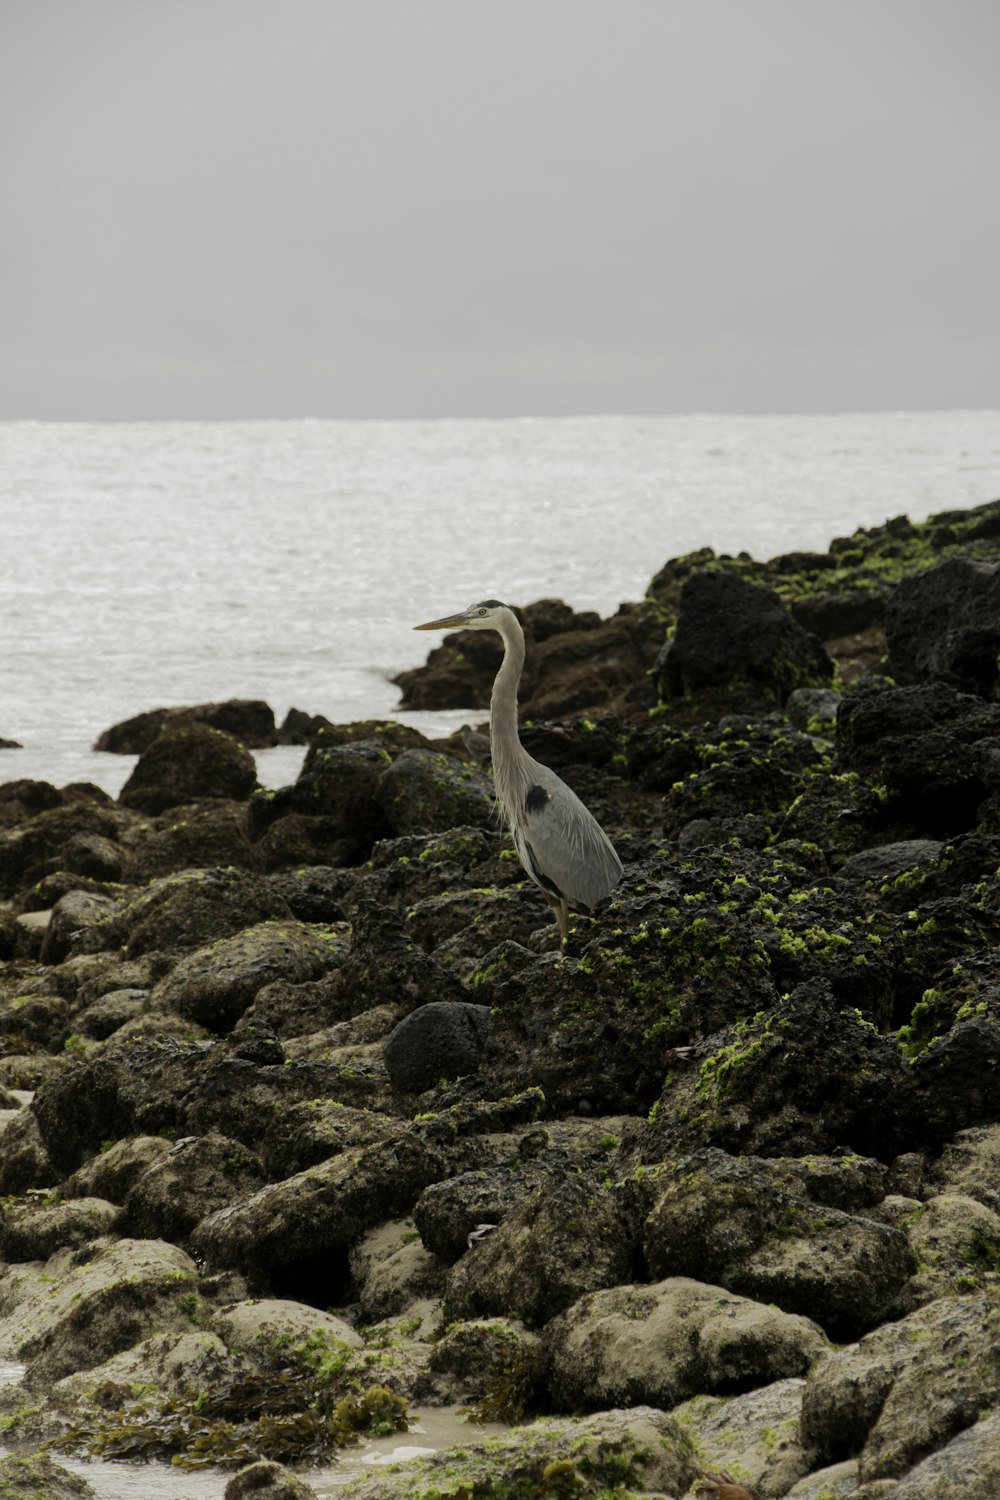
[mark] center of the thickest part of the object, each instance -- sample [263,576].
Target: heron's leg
[561,913]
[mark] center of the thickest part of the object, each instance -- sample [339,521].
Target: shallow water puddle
[430,1430]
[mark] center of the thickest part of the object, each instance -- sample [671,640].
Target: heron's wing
[562,843]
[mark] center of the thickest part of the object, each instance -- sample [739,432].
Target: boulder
[34,1230]
[320,1210]
[964,1469]
[109,1013]
[215,984]
[33,1020]
[733,633]
[449,1211]
[263,1326]
[34,848]
[72,917]
[956,1246]
[755,1435]
[22,799]
[444,1039]
[112,1173]
[194,1178]
[33,1476]
[391,1269]
[424,791]
[806,1075]
[930,746]
[744,1224]
[567,1236]
[187,910]
[944,625]
[129,1085]
[93,855]
[247,719]
[666,1342]
[336,789]
[24,1161]
[267,1480]
[907,1387]
[76,1309]
[970,1165]
[187,762]
[484,1358]
[189,836]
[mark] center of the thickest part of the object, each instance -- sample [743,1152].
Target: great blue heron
[560,844]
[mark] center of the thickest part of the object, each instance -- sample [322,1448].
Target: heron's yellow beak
[447,622]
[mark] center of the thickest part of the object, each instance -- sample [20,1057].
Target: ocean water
[148,564]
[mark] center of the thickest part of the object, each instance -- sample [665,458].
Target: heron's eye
[484,611]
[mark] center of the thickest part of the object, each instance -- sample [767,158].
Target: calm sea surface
[148,564]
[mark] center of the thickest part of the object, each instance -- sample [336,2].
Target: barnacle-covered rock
[665,1342]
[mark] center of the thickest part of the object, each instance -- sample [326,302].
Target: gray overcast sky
[243,208]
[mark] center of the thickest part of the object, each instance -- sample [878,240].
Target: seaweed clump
[280,1415]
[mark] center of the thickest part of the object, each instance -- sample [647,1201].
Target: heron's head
[484,616]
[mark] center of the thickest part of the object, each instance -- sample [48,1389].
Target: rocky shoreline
[304,1121]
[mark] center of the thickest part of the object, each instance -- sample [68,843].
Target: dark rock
[34,848]
[383,966]
[72,916]
[944,625]
[337,790]
[34,1020]
[20,800]
[745,1224]
[576,663]
[733,633]
[803,1076]
[445,1039]
[101,1019]
[298,728]
[447,1212]
[186,762]
[214,985]
[392,736]
[247,719]
[315,893]
[951,1085]
[196,1177]
[930,746]
[566,1237]
[196,835]
[301,1220]
[92,855]
[834,615]
[425,792]
[188,910]
[885,862]
[134,1084]
[298,840]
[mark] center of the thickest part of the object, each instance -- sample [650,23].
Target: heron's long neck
[505,745]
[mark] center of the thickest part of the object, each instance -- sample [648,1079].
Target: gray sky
[244,208]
